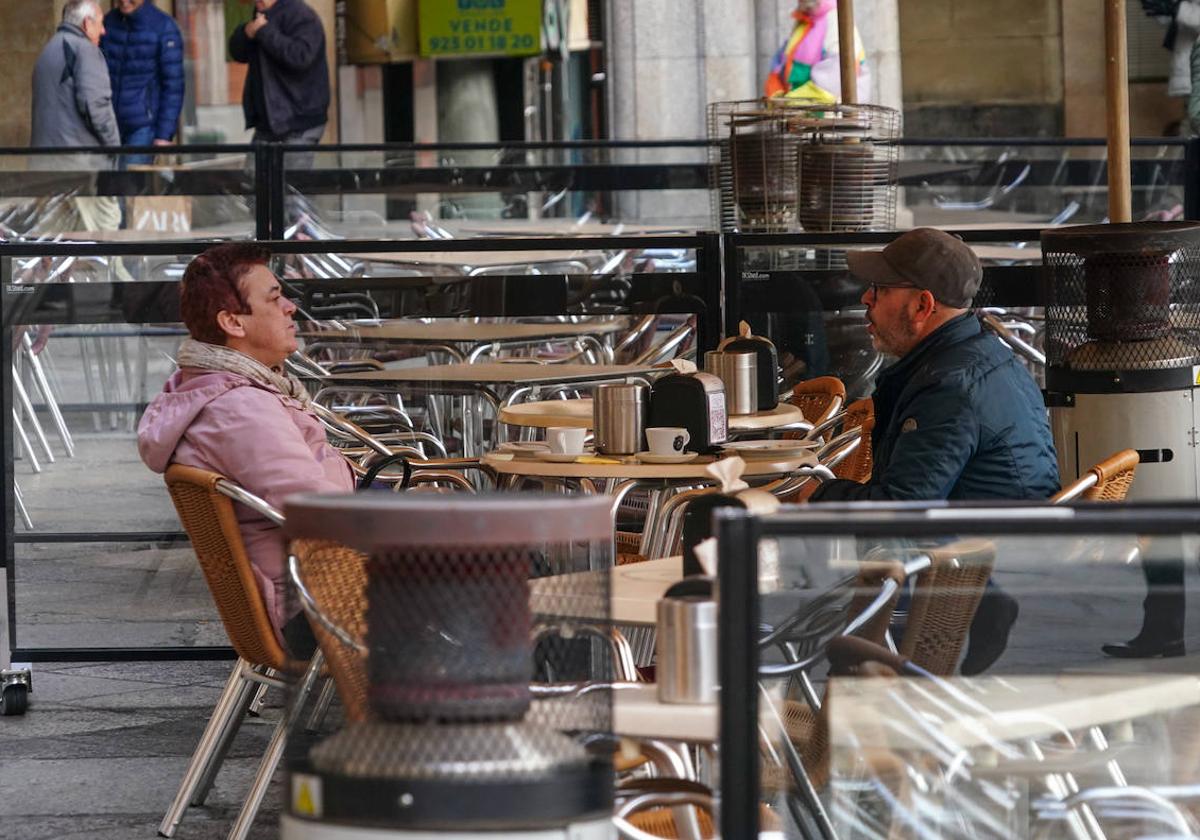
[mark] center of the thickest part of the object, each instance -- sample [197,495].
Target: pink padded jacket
[254,436]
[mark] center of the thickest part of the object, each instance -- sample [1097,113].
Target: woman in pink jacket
[231,409]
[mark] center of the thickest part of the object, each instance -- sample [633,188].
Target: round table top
[496,373]
[455,330]
[505,464]
[577,414]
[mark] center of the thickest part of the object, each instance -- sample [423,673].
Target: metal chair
[204,501]
[1108,481]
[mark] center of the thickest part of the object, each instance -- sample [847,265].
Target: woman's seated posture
[231,409]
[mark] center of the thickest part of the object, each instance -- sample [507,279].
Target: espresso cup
[667,440]
[566,440]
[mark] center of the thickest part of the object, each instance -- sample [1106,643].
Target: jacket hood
[170,414]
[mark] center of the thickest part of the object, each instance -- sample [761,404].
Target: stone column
[27,28]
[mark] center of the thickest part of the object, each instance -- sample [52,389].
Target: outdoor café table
[489,382]
[463,337]
[578,414]
[660,480]
[469,262]
[634,590]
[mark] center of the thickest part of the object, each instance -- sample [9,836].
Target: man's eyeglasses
[875,287]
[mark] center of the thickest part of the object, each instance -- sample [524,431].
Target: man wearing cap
[957,416]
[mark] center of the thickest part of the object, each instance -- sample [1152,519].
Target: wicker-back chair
[1108,481]
[857,466]
[944,601]
[818,399]
[336,578]
[204,502]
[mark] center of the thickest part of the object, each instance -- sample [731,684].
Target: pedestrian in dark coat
[144,50]
[286,97]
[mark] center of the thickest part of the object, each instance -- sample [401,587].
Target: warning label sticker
[306,795]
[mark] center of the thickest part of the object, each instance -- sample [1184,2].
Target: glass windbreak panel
[443,193]
[127,197]
[427,355]
[1032,183]
[990,688]
[119,594]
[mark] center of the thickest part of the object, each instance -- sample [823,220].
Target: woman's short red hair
[212,282]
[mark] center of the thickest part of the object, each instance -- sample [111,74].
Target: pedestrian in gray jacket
[72,106]
[72,97]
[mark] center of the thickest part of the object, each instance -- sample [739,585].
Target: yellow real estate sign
[479,27]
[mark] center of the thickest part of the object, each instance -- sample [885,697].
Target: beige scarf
[197,354]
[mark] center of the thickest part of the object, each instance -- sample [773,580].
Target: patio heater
[1123,349]
[471,678]
[1123,323]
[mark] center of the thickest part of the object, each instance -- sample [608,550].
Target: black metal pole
[6,448]
[733,282]
[262,192]
[708,265]
[277,190]
[737,628]
[1191,179]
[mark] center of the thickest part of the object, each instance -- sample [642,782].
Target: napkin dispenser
[767,364]
[695,401]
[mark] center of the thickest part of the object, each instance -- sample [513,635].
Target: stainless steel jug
[619,413]
[687,649]
[738,370]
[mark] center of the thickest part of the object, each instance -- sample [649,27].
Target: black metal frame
[271,177]
[739,534]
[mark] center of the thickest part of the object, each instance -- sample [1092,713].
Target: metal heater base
[1161,425]
[293,828]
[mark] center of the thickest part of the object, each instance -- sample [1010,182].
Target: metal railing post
[1191,178]
[737,628]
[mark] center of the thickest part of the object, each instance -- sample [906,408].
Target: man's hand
[260,20]
[158,141]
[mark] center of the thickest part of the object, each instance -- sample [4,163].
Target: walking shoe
[1144,648]
[989,632]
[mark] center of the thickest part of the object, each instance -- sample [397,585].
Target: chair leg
[270,760]
[317,719]
[235,686]
[224,739]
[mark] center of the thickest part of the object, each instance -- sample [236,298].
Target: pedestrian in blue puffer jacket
[957,417]
[144,51]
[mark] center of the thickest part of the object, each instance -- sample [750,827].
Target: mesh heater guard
[436,687]
[1122,306]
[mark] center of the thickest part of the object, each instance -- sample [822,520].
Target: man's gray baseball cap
[923,258]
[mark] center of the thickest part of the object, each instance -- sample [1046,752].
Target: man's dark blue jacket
[287,83]
[144,51]
[957,418]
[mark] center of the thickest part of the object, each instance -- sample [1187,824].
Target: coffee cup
[566,440]
[667,440]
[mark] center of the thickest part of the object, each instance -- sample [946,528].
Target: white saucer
[558,457]
[681,458]
[524,449]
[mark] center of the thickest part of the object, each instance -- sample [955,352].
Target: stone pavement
[103,747]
